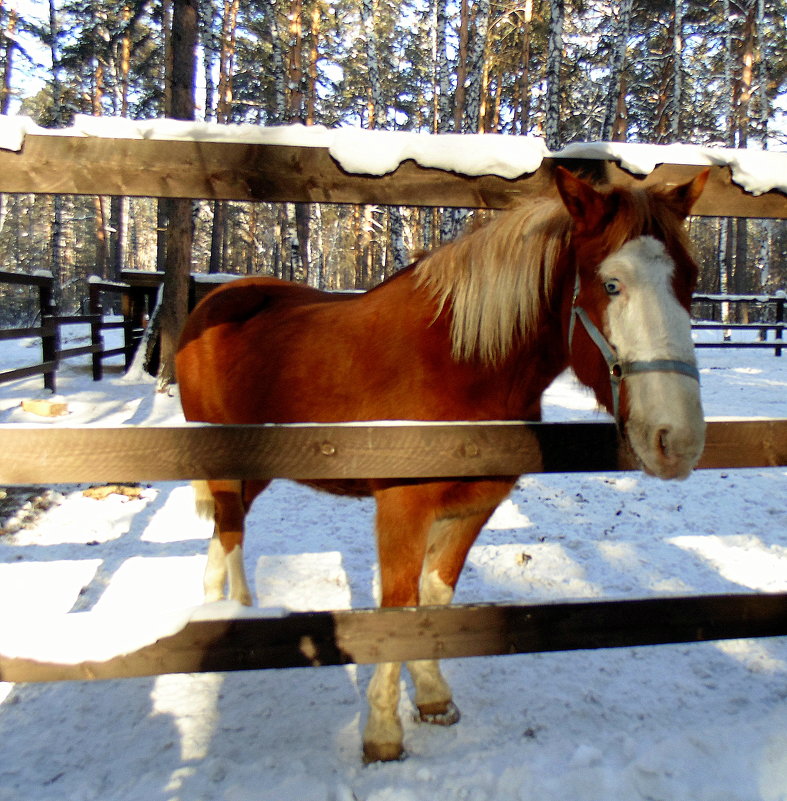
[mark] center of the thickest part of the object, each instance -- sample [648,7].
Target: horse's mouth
[664,452]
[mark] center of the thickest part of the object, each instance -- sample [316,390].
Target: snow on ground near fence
[691,722]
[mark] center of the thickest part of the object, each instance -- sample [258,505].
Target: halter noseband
[618,370]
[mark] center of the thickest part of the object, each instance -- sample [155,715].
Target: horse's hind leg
[230,502]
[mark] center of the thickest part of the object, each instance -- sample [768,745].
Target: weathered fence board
[362,450]
[314,639]
[231,171]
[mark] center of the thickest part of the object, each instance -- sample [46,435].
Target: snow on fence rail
[60,163]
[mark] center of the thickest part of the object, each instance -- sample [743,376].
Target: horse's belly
[354,488]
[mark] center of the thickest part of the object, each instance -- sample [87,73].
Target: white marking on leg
[432,693]
[215,579]
[204,503]
[239,588]
[434,591]
[383,736]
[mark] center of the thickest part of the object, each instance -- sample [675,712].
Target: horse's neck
[546,353]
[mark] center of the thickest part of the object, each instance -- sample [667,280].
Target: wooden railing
[406,450]
[85,165]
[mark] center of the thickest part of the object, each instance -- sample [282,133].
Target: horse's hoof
[382,752]
[439,714]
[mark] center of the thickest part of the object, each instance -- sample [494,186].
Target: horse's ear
[683,197]
[587,207]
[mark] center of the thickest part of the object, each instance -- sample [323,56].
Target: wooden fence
[51,323]
[362,450]
[769,316]
[405,450]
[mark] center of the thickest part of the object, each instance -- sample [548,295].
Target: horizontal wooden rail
[232,171]
[358,450]
[772,344]
[313,639]
[700,297]
[739,326]
[20,333]
[79,350]
[43,368]
[25,279]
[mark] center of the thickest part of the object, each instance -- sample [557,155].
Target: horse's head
[628,329]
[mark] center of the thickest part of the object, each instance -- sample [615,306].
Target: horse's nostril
[662,441]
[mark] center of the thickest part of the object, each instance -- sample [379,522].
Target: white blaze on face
[645,322]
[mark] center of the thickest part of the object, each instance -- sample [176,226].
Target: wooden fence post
[50,337]
[96,338]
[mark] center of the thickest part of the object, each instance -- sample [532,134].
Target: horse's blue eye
[612,286]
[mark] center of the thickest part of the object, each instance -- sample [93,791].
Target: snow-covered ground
[693,722]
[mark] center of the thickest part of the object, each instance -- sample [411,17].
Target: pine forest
[656,71]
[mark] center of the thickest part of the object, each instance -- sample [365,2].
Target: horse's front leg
[450,539]
[403,519]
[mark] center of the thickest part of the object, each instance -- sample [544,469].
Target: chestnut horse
[600,281]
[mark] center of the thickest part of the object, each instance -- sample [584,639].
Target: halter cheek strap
[618,370]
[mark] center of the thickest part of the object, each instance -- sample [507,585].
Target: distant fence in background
[136,302]
[761,313]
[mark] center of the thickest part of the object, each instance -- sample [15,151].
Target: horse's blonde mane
[495,279]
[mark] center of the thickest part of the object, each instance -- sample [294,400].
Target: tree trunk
[8,61]
[554,62]
[762,73]
[5,90]
[209,43]
[314,56]
[218,234]
[218,231]
[729,87]
[522,108]
[174,304]
[378,118]
[277,63]
[442,105]
[612,115]
[377,105]
[102,244]
[677,70]
[118,216]
[461,67]
[477,54]
[295,66]
[56,231]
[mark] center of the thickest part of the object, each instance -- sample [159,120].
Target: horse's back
[250,344]
[239,301]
